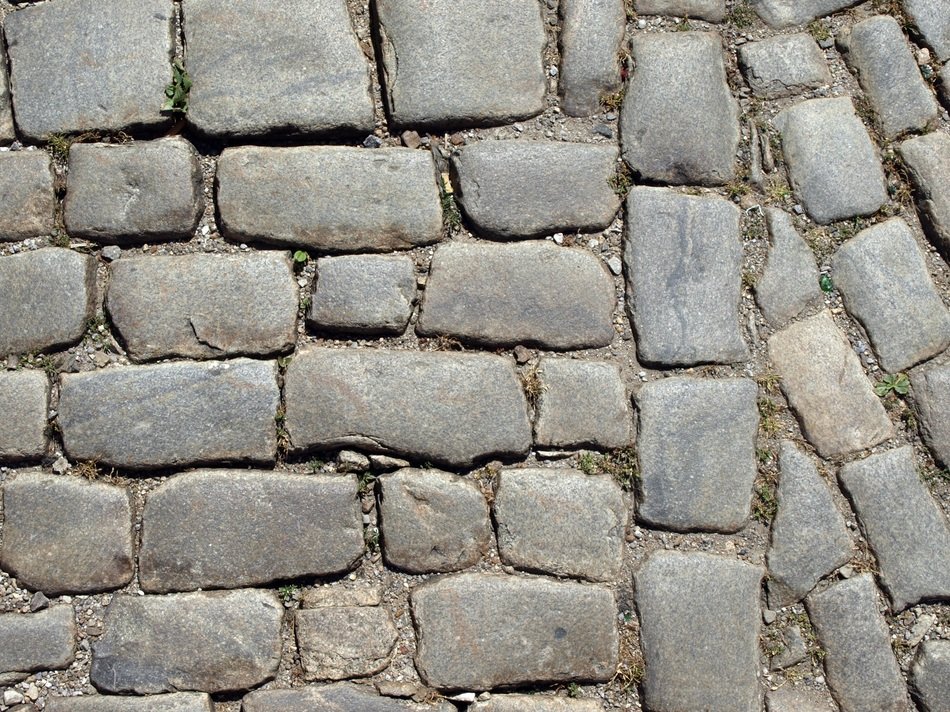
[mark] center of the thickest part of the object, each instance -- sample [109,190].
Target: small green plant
[315,465]
[59,238]
[936,475]
[622,180]
[613,102]
[573,690]
[301,257]
[366,482]
[742,15]
[176,93]
[765,505]
[825,283]
[371,537]
[621,464]
[288,592]
[819,30]
[768,412]
[897,383]
[587,463]
[683,26]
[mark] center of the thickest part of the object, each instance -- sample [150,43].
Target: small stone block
[931,398]
[779,14]
[784,65]
[928,161]
[930,676]
[176,702]
[24,400]
[37,641]
[339,643]
[709,10]
[591,35]
[27,200]
[790,280]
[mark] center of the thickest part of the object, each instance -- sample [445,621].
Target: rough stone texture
[784,65]
[37,641]
[709,10]
[524,293]
[7,133]
[786,13]
[591,36]
[790,280]
[446,63]
[683,258]
[172,414]
[860,666]
[144,191]
[48,296]
[330,596]
[341,697]
[928,160]
[480,631]
[444,408]
[583,403]
[878,52]
[27,200]
[342,199]
[904,526]
[297,72]
[535,703]
[680,123]
[177,702]
[699,632]
[832,163]
[931,398]
[697,453]
[799,699]
[932,20]
[126,49]
[885,283]
[204,306]
[24,399]
[363,294]
[809,535]
[560,521]
[432,521]
[943,88]
[930,676]
[519,189]
[232,528]
[337,643]
[826,387]
[155,644]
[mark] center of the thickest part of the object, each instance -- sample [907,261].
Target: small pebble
[769,617]
[558,238]
[641,24]
[112,252]
[615,265]
[372,141]
[603,130]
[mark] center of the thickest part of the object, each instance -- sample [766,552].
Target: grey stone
[336,596]
[699,632]
[860,666]
[794,649]
[931,18]
[342,199]
[24,398]
[171,414]
[931,399]
[444,408]
[204,306]
[591,35]
[832,163]
[560,521]
[826,387]
[336,643]
[144,191]
[222,641]
[809,535]
[363,294]
[784,65]
[799,699]
[928,161]
[516,631]
[48,296]
[697,453]
[680,123]
[66,534]
[904,526]
[786,13]
[176,702]
[27,201]
[790,280]
[519,189]
[7,132]
[432,521]
[126,49]
[37,641]
[886,285]
[709,10]
[535,703]
[583,403]
[930,676]
[683,256]
[233,528]
[340,697]
[445,63]
[532,293]
[297,72]
[943,88]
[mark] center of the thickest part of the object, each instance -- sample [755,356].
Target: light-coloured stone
[340,697]
[931,398]
[337,643]
[7,132]
[24,399]
[591,35]
[786,13]
[783,65]
[931,18]
[930,676]
[789,282]
[535,703]
[27,200]
[928,161]
[176,702]
[709,10]
[799,699]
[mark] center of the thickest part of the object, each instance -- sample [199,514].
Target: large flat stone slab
[931,18]
[709,10]
[930,676]
[443,408]
[591,35]
[342,642]
[342,199]
[784,65]
[24,398]
[340,697]
[535,703]
[173,414]
[27,200]
[789,282]
[786,13]
[175,702]
[928,161]
[37,641]
[931,399]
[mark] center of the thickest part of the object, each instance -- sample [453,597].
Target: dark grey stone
[931,399]
[341,697]
[341,642]
[591,35]
[176,702]
[931,18]
[928,161]
[930,676]
[709,10]
[37,641]
[535,703]
[7,132]
[27,200]
[786,13]
[790,280]
[24,399]
[784,65]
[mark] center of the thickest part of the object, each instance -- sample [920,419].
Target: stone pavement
[475,356]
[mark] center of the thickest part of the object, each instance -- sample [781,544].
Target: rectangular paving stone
[783,65]
[7,130]
[928,161]
[204,306]
[789,282]
[37,641]
[172,414]
[342,642]
[591,35]
[930,395]
[931,18]
[339,697]
[535,703]
[799,699]
[443,408]
[24,400]
[176,702]
[786,13]
[341,199]
[27,200]
[709,10]
[481,631]
[930,676]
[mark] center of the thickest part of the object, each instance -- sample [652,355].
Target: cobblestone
[27,201]
[7,132]
[342,642]
[591,37]
[175,702]
[37,641]
[535,703]
[931,398]
[931,676]
[341,697]
[786,13]
[710,10]
[927,158]
[784,65]
[24,398]
[932,20]
[789,282]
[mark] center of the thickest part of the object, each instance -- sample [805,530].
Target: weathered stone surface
[480,631]
[221,641]
[177,702]
[860,666]
[48,296]
[943,88]
[329,596]
[37,641]
[443,408]
[799,699]
[697,453]
[535,703]
[342,199]
[786,13]
[518,189]
[560,521]
[446,63]
[930,676]
[928,160]
[171,414]
[522,293]
[340,697]
[832,163]
[363,294]
[232,528]
[826,387]
[308,73]
[591,35]
[931,398]
[709,10]
[885,283]
[27,201]
[7,132]
[809,535]
[683,256]
[790,280]
[126,49]
[143,191]
[783,65]
[24,398]
[337,643]
[699,631]
[904,526]
[583,403]
[204,306]
[932,20]
[680,123]
[432,521]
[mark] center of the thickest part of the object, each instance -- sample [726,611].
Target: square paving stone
[709,10]
[176,702]
[931,18]
[27,200]
[786,13]
[82,65]
[37,641]
[342,642]
[930,676]
[930,393]
[789,282]
[451,63]
[591,35]
[928,161]
[784,65]
[24,399]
